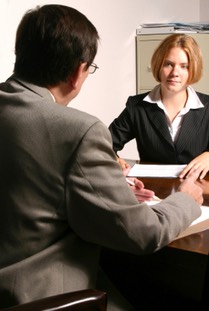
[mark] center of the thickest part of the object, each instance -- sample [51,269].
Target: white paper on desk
[153,170]
[198,225]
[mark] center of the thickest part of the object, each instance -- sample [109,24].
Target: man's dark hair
[51,42]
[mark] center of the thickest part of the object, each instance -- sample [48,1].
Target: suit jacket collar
[158,121]
[191,123]
[40,91]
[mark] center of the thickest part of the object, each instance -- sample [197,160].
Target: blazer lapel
[190,125]
[158,121]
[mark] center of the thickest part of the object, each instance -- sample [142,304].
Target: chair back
[84,300]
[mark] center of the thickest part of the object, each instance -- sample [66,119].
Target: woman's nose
[175,71]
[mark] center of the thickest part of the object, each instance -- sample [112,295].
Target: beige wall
[204,10]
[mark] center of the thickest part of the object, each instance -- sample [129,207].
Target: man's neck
[61,93]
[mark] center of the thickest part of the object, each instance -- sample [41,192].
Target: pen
[130,182]
[154,198]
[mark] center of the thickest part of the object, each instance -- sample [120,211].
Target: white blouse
[193,102]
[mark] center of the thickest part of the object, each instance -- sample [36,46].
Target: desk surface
[163,187]
[178,270]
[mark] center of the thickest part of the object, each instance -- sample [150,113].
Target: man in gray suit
[63,194]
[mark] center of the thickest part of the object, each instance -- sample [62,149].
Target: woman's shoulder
[137,99]
[204,98]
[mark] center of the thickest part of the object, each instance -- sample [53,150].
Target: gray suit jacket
[63,195]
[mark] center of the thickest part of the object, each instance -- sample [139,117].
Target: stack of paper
[159,28]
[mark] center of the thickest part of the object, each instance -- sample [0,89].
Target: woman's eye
[166,64]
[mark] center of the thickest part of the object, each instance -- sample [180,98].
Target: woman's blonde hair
[190,47]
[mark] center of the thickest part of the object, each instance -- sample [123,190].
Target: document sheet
[153,170]
[198,225]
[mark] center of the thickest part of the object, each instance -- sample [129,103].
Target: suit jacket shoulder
[136,99]
[204,98]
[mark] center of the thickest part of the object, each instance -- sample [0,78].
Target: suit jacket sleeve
[121,130]
[104,209]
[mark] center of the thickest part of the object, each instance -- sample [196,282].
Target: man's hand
[189,186]
[137,186]
[140,192]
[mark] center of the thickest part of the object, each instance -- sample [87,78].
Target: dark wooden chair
[84,300]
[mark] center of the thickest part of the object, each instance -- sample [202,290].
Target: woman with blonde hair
[171,122]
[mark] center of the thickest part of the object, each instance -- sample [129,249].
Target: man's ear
[75,78]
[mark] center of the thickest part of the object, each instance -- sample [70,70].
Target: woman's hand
[200,163]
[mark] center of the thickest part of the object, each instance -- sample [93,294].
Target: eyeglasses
[92,68]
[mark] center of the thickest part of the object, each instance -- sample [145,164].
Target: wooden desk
[174,274]
[163,187]
[183,265]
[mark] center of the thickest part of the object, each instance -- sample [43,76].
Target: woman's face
[175,71]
